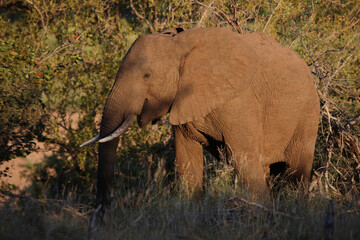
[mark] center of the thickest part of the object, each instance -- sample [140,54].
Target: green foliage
[325,34]
[22,113]
[159,15]
[58,61]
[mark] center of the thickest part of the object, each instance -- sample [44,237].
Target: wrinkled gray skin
[244,93]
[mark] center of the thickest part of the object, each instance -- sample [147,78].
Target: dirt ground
[19,165]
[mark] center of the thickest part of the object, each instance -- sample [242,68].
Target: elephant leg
[245,146]
[300,153]
[189,162]
[250,171]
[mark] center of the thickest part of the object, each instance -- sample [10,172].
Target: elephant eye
[146,76]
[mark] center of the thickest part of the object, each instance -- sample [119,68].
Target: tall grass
[160,210]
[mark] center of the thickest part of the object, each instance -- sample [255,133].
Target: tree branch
[141,16]
[267,23]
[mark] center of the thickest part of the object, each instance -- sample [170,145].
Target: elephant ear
[219,67]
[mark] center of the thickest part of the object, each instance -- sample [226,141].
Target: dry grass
[171,217]
[150,211]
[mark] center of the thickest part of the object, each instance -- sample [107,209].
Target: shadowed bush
[58,61]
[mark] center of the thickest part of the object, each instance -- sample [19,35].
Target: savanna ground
[58,60]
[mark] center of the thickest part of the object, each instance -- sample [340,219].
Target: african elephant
[244,93]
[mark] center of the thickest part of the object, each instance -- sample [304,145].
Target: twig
[322,54]
[353,120]
[249,202]
[346,59]
[271,16]
[334,34]
[60,202]
[63,46]
[336,3]
[92,228]
[235,27]
[39,12]
[19,196]
[221,14]
[12,195]
[141,16]
[204,15]
[44,25]
[234,199]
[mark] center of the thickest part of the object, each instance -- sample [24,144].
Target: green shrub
[59,60]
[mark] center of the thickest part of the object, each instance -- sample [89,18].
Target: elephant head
[175,71]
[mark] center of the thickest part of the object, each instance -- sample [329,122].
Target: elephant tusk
[115,134]
[118,131]
[91,141]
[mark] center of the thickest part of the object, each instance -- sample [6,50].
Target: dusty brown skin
[245,93]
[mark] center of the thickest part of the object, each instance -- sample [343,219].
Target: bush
[60,60]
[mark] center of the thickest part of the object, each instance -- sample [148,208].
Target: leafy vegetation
[58,60]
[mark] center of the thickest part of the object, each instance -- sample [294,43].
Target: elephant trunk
[119,112]
[105,173]
[107,157]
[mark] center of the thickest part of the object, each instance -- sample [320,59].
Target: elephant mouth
[123,126]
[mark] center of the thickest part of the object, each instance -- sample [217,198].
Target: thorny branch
[40,14]
[44,25]
[58,49]
[235,200]
[222,15]
[272,14]
[336,131]
[141,16]
[205,14]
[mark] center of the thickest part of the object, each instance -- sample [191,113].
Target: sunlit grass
[159,210]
